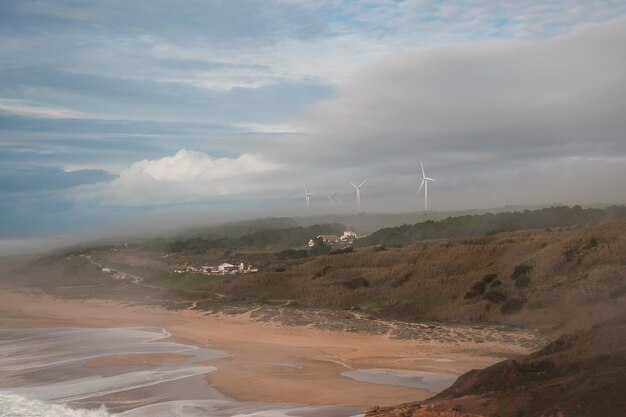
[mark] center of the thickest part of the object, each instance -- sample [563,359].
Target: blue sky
[131,112]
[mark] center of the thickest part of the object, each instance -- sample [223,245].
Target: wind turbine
[332,198]
[307,198]
[357,188]
[424,184]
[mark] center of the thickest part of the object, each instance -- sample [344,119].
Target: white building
[223,269]
[227,268]
[329,238]
[349,236]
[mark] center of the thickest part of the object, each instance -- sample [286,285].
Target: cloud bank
[112,109]
[489,117]
[500,123]
[185,177]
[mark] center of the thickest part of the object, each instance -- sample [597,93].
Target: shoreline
[270,362]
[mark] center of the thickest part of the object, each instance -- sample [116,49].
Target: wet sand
[270,362]
[132,359]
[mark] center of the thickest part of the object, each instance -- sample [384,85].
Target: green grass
[375,305]
[281,302]
[141,271]
[187,281]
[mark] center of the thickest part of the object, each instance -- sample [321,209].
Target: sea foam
[43,373]
[14,405]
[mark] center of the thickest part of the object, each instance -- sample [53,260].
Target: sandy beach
[270,362]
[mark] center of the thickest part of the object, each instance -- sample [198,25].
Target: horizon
[112,120]
[36,244]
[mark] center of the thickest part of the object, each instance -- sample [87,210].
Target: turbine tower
[332,198]
[424,184]
[357,188]
[307,198]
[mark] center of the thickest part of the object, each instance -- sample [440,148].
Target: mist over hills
[493,223]
[367,223]
[558,269]
[289,232]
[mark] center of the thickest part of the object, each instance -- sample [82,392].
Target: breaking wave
[14,405]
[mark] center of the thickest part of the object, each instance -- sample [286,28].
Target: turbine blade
[362,183]
[421,185]
[430,179]
[353,184]
[423,174]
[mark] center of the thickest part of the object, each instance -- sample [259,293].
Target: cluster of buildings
[222,269]
[347,237]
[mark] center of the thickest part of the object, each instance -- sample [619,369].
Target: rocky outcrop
[578,375]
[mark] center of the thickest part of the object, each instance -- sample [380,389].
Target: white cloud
[185,177]
[31,109]
[187,166]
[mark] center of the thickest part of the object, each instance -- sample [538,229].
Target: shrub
[511,306]
[470,294]
[488,278]
[348,249]
[496,283]
[379,248]
[400,280]
[320,248]
[593,242]
[520,271]
[477,289]
[280,269]
[495,296]
[322,272]
[521,275]
[522,282]
[357,283]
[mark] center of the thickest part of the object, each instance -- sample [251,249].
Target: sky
[130,115]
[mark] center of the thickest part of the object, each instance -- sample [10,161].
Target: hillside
[490,223]
[371,222]
[582,374]
[550,279]
[524,278]
[281,238]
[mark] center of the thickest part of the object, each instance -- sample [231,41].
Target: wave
[43,370]
[14,405]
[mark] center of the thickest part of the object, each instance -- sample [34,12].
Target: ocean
[43,373]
